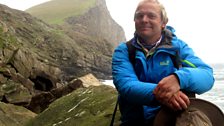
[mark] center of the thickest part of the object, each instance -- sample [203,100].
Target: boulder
[92,106]
[15,93]
[42,100]
[12,115]
[90,80]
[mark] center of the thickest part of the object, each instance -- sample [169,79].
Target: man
[153,79]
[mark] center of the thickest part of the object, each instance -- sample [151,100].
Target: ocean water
[215,95]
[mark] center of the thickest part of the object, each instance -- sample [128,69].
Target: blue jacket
[136,84]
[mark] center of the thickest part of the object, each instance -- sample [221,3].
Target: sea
[215,95]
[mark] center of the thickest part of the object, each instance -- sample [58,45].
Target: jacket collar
[166,39]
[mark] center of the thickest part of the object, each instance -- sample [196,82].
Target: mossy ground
[84,107]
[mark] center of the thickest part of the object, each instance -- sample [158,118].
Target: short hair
[162,8]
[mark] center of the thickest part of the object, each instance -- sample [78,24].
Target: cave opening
[42,83]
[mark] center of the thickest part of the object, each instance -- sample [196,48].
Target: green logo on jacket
[165,63]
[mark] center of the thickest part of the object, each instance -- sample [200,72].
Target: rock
[41,101]
[38,62]
[24,81]
[16,93]
[2,79]
[90,80]
[87,45]
[11,115]
[92,106]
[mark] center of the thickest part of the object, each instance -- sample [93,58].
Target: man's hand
[178,101]
[168,93]
[166,88]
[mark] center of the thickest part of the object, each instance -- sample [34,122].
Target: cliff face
[37,56]
[39,59]
[81,43]
[90,17]
[97,22]
[90,31]
[27,61]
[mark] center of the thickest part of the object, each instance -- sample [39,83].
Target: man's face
[148,23]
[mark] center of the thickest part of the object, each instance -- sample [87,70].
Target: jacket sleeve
[195,75]
[126,81]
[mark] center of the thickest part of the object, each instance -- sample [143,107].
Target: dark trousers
[142,123]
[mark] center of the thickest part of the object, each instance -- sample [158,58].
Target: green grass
[54,12]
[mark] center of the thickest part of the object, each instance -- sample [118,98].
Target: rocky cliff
[97,22]
[90,17]
[81,44]
[91,35]
[40,61]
